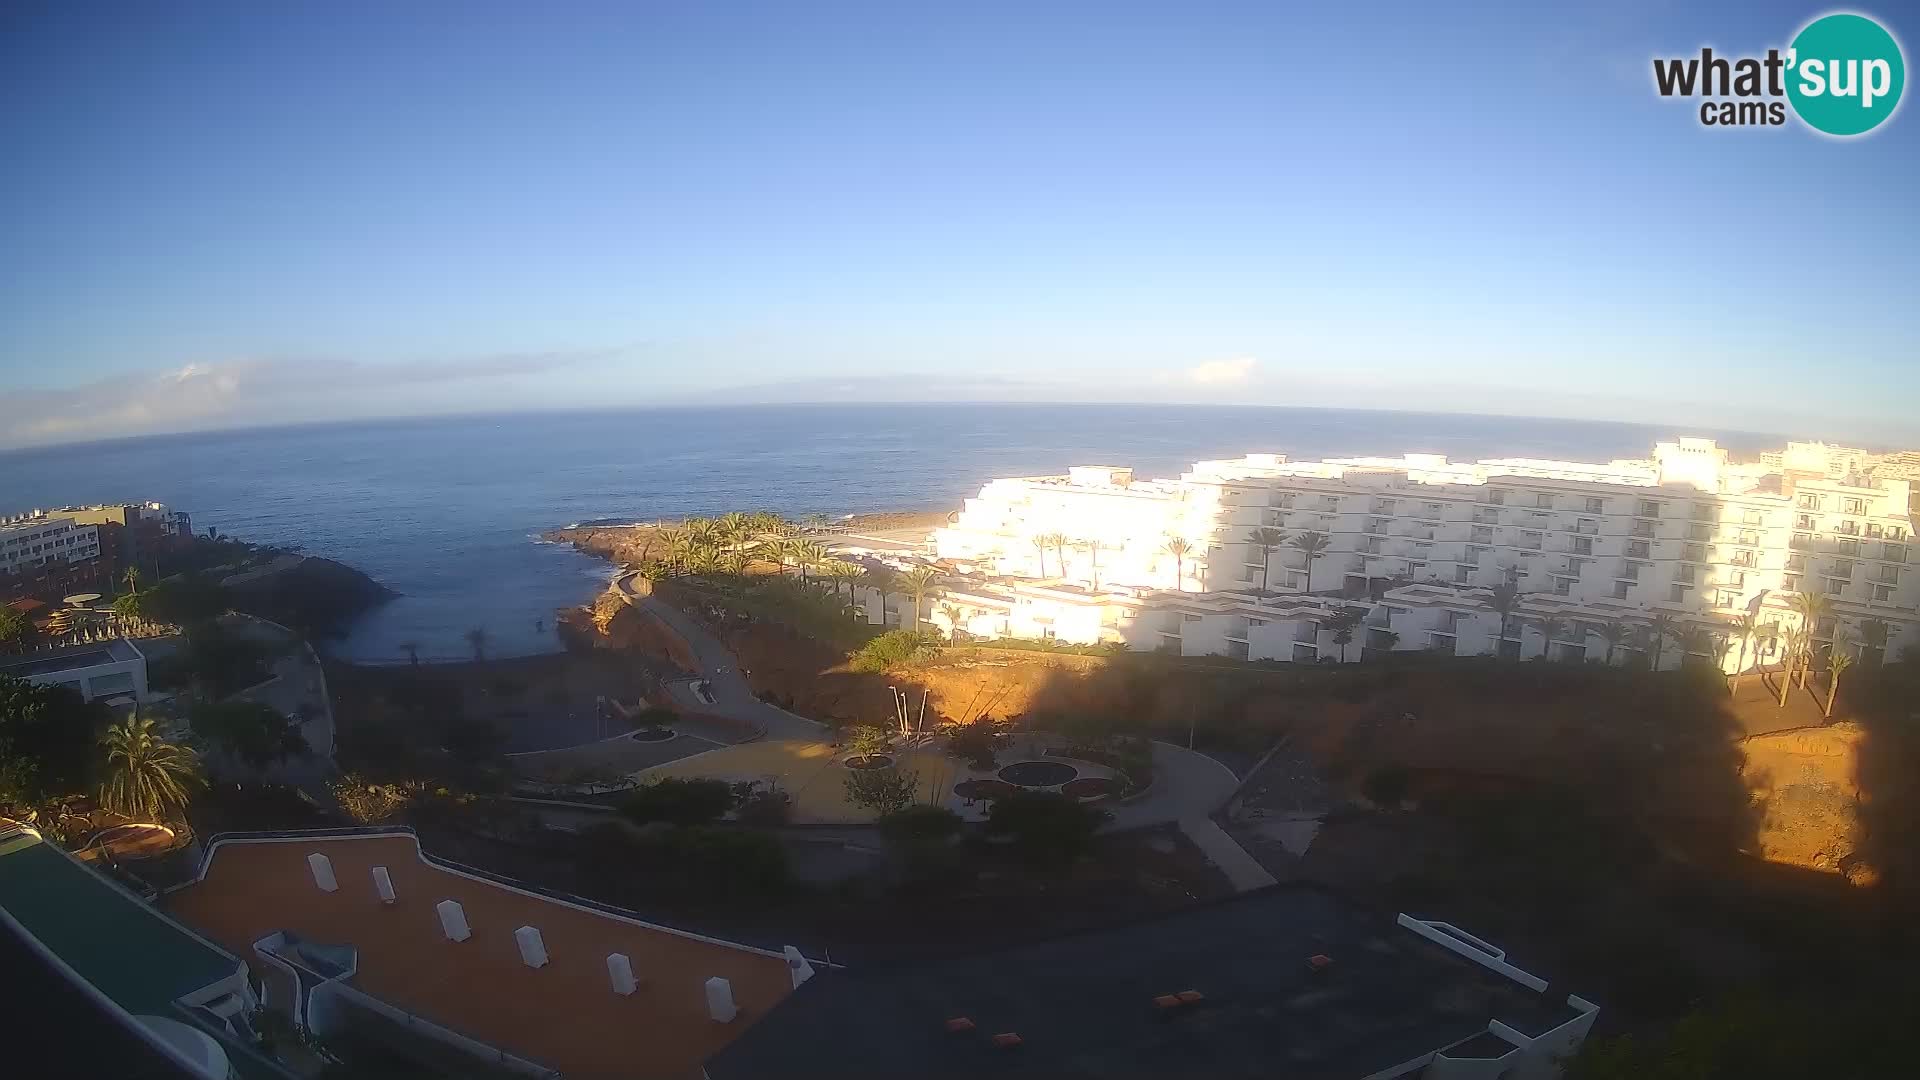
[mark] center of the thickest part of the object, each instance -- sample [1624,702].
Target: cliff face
[621,544]
[317,595]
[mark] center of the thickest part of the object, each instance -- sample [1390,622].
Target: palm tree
[1613,632]
[883,581]
[1662,627]
[1744,626]
[131,577]
[1551,627]
[1041,541]
[146,774]
[1092,548]
[917,581]
[477,640]
[1837,666]
[1343,623]
[701,560]
[954,615]
[412,649]
[1873,636]
[680,545]
[734,561]
[1266,538]
[845,572]
[1812,609]
[735,527]
[1312,545]
[806,555]
[1178,546]
[1059,542]
[1506,597]
[1794,639]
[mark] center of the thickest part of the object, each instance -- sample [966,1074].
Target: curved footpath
[1188,786]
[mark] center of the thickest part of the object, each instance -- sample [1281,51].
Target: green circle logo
[1845,74]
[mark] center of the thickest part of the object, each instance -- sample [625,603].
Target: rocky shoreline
[633,543]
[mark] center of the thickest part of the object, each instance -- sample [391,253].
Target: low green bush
[679,802]
[895,647]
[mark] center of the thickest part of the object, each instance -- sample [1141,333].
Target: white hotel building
[1419,542]
[33,540]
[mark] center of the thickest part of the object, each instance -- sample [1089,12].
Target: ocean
[448,511]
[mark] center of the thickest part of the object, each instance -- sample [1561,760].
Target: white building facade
[35,540]
[1419,543]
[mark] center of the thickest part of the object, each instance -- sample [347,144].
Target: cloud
[219,394]
[1216,372]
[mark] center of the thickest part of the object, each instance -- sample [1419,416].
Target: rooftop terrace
[563,1015]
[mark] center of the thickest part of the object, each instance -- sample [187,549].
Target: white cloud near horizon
[233,393]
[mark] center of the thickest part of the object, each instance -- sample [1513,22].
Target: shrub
[895,647]
[1046,827]
[678,801]
[255,733]
[919,824]
[370,804]
[767,807]
[975,743]
[884,791]
[920,840]
[869,741]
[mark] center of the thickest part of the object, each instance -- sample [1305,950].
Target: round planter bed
[983,789]
[1038,774]
[1090,787]
[871,761]
[652,735]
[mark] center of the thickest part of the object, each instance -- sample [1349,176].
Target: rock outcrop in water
[318,596]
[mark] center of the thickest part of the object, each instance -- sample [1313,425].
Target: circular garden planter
[1090,787]
[1038,774]
[652,735]
[983,789]
[871,761]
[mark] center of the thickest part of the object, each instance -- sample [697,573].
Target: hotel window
[1893,552]
[1563,586]
[1463,574]
[1649,508]
[1693,552]
[1883,593]
[1796,563]
[1699,532]
[1790,583]
[1826,627]
[1496,496]
[1835,586]
[1678,594]
[1873,531]
[1638,549]
[1748,537]
[1684,572]
[1753,517]
[1583,545]
[1543,501]
[1620,590]
[1702,512]
[1809,502]
[1841,569]
[1849,547]
[1853,506]
[1737,579]
[1848,528]
[1725,598]
[1895,532]
[1801,541]
[1888,574]
[1803,521]
[1596,506]
[1530,540]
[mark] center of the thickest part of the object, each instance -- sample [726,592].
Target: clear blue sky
[220,214]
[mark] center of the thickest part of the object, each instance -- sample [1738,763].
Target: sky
[235,214]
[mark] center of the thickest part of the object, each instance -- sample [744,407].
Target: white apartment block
[1419,542]
[34,540]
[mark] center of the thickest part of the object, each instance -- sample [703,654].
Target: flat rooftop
[68,658]
[113,939]
[1084,1005]
[563,1015]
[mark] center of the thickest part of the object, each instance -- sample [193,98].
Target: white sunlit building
[1420,543]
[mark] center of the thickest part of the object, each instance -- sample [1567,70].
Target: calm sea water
[448,511]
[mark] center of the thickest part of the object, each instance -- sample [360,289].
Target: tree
[1662,627]
[1178,546]
[954,614]
[1040,543]
[1312,545]
[255,733]
[735,527]
[14,627]
[412,649]
[1342,623]
[735,561]
[1091,546]
[868,743]
[1613,632]
[1837,666]
[1506,597]
[1792,641]
[1551,627]
[47,736]
[1745,625]
[883,581]
[976,743]
[679,801]
[131,579]
[917,581]
[147,776]
[477,641]
[1266,538]
[1812,608]
[808,554]
[884,791]
[1059,542]
[1045,826]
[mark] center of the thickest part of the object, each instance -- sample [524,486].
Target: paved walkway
[1242,869]
[732,697]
